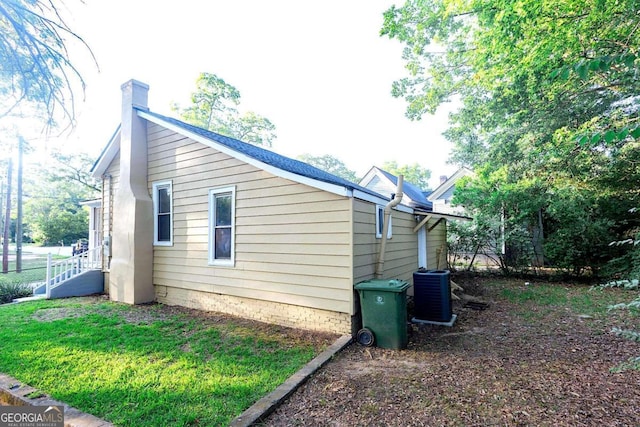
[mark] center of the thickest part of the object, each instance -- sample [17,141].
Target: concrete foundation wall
[264,311]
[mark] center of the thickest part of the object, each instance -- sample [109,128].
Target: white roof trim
[113,148]
[95,203]
[321,185]
[443,215]
[109,153]
[379,200]
[450,182]
[403,208]
[376,171]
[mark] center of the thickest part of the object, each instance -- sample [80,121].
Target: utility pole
[7,221]
[2,205]
[19,201]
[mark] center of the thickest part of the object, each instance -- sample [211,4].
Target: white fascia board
[367,197]
[404,208]
[442,215]
[450,182]
[109,153]
[321,185]
[95,203]
[369,176]
[442,188]
[375,171]
[407,198]
[357,194]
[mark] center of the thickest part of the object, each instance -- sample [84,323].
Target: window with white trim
[162,213]
[380,223]
[222,207]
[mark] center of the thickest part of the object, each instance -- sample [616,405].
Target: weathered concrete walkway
[14,393]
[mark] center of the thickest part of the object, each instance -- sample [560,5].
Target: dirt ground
[494,367]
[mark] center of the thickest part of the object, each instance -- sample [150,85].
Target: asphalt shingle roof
[411,190]
[268,157]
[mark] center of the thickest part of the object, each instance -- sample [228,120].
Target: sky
[318,70]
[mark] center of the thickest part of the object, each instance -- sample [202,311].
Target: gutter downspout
[395,201]
[107,209]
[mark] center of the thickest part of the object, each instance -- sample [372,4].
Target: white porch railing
[59,272]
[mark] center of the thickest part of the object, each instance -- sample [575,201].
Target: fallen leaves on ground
[495,367]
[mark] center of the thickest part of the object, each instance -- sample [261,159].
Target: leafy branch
[35,64]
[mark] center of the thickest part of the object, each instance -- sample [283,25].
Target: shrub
[10,291]
[631,285]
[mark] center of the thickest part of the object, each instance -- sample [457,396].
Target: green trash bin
[384,313]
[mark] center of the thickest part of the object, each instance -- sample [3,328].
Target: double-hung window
[380,223]
[162,213]
[222,226]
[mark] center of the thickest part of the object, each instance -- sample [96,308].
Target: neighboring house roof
[447,187]
[262,158]
[378,179]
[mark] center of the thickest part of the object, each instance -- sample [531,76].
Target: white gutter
[385,228]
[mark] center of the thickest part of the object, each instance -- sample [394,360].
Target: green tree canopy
[53,193]
[35,66]
[497,57]
[214,107]
[330,164]
[549,115]
[74,168]
[414,173]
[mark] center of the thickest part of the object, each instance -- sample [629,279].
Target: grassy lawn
[148,365]
[34,266]
[537,299]
[34,269]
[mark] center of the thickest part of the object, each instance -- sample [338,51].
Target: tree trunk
[7,221]
[19,202]
[541,237]
[473,258]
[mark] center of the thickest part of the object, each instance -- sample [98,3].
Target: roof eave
[322,185]
[442,215]
[106,157]
[450,182]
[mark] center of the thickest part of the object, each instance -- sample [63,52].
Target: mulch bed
[495,367]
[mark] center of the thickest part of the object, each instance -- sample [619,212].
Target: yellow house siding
[401,257]
[292,241]
[401,254]
[365,245]
[110,183]
[436,245]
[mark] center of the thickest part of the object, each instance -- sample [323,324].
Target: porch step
[86,283]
